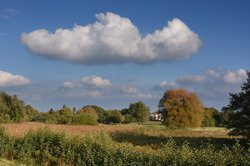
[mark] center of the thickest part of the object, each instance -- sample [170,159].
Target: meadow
[123,144]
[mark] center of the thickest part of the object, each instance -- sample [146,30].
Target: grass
[147,144]
[46,147]
[147,129]
[19,129]
[4,162]
[151,134]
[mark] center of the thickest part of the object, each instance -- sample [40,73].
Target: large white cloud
[113,39]
[8,79]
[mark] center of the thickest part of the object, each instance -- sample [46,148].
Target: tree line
[179,108]
[15,110]
[92,115]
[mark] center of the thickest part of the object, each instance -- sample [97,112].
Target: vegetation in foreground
[44,147]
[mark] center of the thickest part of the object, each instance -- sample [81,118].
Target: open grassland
[150,134]
[148,144]
[150,128]
[124,144]
[18,129]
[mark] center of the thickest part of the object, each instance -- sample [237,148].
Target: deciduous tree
[181,108]
[139,111]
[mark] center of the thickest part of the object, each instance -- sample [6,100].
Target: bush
[208,120]
[86,119]
[6,144]
[114,116]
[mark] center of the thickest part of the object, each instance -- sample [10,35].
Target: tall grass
[44,147]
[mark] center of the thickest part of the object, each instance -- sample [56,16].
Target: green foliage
[65,115]
[6,144]
[99,111]
[181,108]
[84,119]
[114,116]
[224,115]
[139,111]
[239,110]
[44,147]
[13,109]
[209,120]
[40,147]
[129,118]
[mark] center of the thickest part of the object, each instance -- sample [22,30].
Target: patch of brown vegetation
[18,129]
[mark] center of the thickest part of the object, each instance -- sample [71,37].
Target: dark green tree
[239,117]
[224,116]
[139,111]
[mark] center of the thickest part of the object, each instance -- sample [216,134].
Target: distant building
[155,116]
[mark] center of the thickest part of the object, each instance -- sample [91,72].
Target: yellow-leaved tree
[181,108]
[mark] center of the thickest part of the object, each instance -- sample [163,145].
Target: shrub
[208,120]
[87,119]
[114,116]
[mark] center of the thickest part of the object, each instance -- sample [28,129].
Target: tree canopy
[13,109]
[139,111]
[181,108]
[239,110]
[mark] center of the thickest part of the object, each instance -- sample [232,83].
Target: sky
[112,53]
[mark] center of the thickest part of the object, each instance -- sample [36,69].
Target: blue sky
[112,53]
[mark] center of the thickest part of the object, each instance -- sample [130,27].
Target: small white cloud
[196,79]
[113,40]
[11,11]
[167,84]
[8,80]
[164,85]
[235,77]
[212,73]
[95,94]
[96,81]
[132,92]
[91,81]
[8,13]
[70,84]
